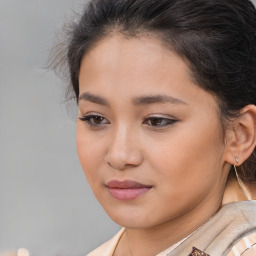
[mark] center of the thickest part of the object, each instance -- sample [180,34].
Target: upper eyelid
[91,115]
[83,115]
[163,118]
[160,116]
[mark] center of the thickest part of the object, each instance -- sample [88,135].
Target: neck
[234,192]
[151,241]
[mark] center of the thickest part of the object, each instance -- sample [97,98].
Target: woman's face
[148,138]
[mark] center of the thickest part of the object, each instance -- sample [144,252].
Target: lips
[126,190]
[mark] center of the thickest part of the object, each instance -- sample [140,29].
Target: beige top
[221,236]
[108,248]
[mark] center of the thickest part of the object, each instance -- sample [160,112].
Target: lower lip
[126,194]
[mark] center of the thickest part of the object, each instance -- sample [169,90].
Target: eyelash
[90,120]
[165,121]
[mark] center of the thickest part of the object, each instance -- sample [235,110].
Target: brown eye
[159,121]
[97,119]
[94,120]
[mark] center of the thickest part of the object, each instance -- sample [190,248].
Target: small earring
[237,176]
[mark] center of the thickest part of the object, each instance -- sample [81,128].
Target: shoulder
[246,246]
[240,214]
[225,229]
[238,223]
[108,248]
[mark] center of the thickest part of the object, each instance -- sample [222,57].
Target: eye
[159,122]
[94,120]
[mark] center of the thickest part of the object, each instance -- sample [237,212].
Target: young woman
[166,94]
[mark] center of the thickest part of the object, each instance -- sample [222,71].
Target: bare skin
[143,119]
[234,192]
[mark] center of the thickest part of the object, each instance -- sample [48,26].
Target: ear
[241,139]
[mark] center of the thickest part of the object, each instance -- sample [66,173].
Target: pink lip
[127,189]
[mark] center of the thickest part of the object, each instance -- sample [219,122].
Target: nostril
[109,164]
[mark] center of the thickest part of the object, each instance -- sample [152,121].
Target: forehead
[117,46]
[118,58]
[117,67]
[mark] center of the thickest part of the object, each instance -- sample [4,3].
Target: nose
[124,151]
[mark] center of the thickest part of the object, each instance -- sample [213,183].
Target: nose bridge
[122,134]
[124,148]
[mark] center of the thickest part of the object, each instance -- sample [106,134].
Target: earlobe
[241,140]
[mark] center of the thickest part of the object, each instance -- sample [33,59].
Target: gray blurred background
[46,205]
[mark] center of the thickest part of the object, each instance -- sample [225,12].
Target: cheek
[90,152]
[187,161]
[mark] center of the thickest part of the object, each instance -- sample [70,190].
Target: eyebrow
[152,99]
[93,98]
[142,100]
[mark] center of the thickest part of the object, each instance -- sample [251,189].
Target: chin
[134,219]
[132,223]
